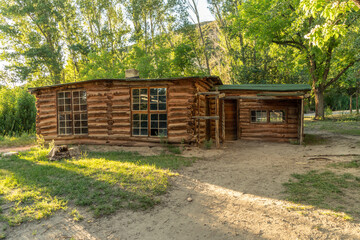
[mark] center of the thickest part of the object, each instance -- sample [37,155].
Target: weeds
[16,141]
[208,144]
[171,148]
[351,164]
[312,139]
[76,215]
[322,189]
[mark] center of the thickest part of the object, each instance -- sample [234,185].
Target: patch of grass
[16,141]
[76,215]
[347,124]
[208,144]
[312,139]
[349,164]
[104,182]
[174,149]
[322,189]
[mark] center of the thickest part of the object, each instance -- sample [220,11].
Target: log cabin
[145,112]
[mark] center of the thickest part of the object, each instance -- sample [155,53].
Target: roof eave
[216,82]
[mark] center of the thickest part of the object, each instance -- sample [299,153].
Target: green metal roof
[267,87]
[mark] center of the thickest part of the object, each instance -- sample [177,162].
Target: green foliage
[277,41]
[17,111]
[328,111]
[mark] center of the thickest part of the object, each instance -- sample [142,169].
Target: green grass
[103,182]
[349,164]
[15,141]
[347,124]
[324,190]
[312,139]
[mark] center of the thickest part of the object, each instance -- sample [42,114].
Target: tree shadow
[81,189]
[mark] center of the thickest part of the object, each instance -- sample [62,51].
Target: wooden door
[230,120]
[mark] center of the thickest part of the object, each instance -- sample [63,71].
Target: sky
[204,13]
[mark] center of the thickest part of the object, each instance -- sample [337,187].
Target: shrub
[17,111]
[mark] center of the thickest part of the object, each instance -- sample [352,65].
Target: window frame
[71,112]
[268,116]
[262,110]
[284,116]
[148,111]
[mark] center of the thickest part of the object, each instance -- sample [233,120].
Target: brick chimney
[131,73]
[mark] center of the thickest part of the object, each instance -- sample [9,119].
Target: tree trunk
[350,104]
[196,12]
[319,103]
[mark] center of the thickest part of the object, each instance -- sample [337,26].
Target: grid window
[158,125]
[149,117]
[140,99]
[140,125]
[64,110]
[72,113]
[259,116]
[79,111]
[157,99]
[277,116]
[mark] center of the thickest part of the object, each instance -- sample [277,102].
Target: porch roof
[266,87]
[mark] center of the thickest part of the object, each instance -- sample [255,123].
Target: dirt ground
[236,193]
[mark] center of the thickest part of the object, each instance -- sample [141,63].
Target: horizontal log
[266,125]
[121,107]
[270,130]
[47,107]
[45,112]
[46,101]
[182,94]
[208,93]
[206,117]
[269,134]
[97,119]
[121,119]
[45,117]
[269,139]
[180,120]
[46,95]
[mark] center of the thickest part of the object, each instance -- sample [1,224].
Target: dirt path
[236,194]
[15,149]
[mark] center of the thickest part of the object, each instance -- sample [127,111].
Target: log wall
[203,107]
[245,129]
[109,112]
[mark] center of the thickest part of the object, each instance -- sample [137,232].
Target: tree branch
[289,43]
[341,73]
[328,59]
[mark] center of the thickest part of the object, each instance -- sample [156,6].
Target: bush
[17,111]
[328,111]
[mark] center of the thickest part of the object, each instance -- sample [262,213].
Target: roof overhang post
[217,138]
[223,120]
[301,139]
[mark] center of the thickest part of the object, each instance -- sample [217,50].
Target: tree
[287,24]
[30,32]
